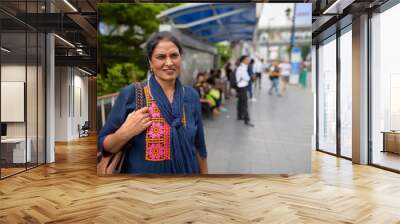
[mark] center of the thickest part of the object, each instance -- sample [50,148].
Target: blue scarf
[181,151]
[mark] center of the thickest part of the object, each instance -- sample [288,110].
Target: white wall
[16,73]
[13,73]
[12,101]
[61,103]
[33,127]
[81,94]
[69,85]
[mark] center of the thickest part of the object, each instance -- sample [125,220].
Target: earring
[151,69]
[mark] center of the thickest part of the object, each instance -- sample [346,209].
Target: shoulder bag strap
[139,96]
[139,104]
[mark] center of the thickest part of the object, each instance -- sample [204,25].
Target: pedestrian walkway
[280,142]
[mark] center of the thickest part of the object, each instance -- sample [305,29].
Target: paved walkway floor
[280,142]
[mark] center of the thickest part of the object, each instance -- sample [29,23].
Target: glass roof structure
[214,22]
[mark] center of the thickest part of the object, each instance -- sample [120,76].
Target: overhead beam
[320,22]
[284,29]
[86,26]
[231,25]
[283,43]
[81,61]
[44,22]
[235,33]
[53,22]
[338,6]
[221,25]
[209,19]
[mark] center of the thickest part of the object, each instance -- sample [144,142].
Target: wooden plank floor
[70,192]
[10,171]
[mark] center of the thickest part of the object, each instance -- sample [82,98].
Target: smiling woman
[166,136]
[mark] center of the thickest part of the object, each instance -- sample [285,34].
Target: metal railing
[104,105]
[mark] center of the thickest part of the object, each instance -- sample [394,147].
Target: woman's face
[166,61]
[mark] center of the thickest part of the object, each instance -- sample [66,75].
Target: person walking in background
[285,70]
[221,84]
[250,71]
[243,79]
[265,65]
[258,70]
[228,73]
[274,74]
[232,80]
[303,75]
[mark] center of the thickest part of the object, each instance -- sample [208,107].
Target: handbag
[111,163]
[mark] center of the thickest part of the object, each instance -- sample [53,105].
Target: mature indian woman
[166,136]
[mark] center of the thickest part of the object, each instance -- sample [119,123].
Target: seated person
[214,96]
[202,88]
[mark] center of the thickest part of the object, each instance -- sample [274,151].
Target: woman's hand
[135,123]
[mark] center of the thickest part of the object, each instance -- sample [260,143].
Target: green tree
[123,29]
[305,50]
[225,52]
[120,74]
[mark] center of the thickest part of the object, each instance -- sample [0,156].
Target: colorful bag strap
[139,104]
[139,96]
